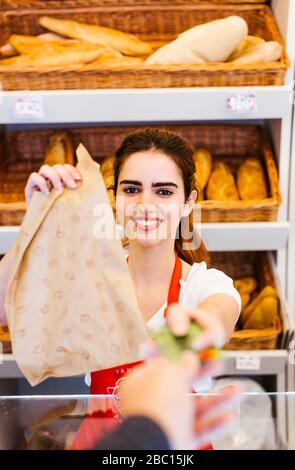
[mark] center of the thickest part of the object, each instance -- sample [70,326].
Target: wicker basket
[86,3]
[259,266]
[5,344]
[23,152]
[160,23]
[232,144]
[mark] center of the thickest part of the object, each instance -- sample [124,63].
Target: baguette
[244,47]
[26,44]
[7,50]
[123,42]
[112,57]
[270,51]
[56,56]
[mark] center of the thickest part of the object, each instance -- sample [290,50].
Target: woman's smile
[147,224]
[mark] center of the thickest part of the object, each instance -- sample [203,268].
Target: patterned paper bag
[70,303]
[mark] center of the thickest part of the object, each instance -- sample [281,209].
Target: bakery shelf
[8,368]
[268,363]
[248,236]
[8,236]
[245,236]
[141,105]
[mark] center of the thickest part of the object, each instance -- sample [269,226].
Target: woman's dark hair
[181,152]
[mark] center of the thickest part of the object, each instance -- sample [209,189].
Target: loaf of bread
[107,167]
[251,181]
[245,298]
[264,315]
[244,47]
[206,43]
[203,163]
[245,285]
[221,185]
[107,171]
[60,149]
[123,42]
[111,57]
[56,55]
[7,50]
[270,51]
[26,44]
[262,310]
[108,57]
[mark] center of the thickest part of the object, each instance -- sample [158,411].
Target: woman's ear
[190,202]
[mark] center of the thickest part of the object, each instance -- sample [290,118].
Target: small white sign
[242,103]
[247,362]
[28,107]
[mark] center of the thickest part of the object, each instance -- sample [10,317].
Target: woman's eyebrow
[167,183]
[136,183]
[154,185]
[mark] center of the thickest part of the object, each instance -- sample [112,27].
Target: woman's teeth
[147,223]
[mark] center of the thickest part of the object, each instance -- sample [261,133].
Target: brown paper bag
[70,303]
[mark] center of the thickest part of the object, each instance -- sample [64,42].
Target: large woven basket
[23,152]
[259,266]
[86,3]
[160,23]
[232,144]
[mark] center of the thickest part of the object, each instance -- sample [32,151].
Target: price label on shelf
[240,103]
[247,362]
[28,107]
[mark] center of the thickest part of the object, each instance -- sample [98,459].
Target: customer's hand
[48,177]
[160,390]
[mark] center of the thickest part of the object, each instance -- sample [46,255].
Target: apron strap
[174,289]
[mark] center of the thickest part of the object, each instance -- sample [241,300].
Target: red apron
[106,381]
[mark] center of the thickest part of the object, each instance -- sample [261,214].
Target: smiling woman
[155,191]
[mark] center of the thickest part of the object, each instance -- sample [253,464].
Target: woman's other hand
[48,177]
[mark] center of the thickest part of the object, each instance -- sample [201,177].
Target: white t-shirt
[200,283]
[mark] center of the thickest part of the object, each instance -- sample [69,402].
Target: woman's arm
[5,265]
[217,315]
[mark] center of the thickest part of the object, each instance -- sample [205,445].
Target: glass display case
[79,421]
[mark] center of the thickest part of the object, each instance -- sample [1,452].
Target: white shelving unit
[217,236]
[272,362]
[274,107]
[145,105]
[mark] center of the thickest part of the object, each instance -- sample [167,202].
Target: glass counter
[79,421]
